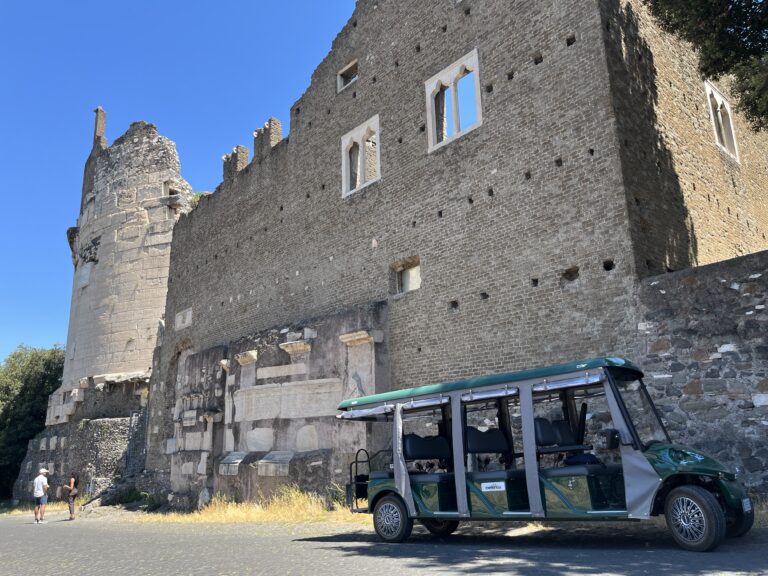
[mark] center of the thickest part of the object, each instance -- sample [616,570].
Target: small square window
[347,76]
[407,275]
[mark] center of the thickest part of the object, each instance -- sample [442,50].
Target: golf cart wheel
[695,518]
[740,524]
[390,519]
[440,527]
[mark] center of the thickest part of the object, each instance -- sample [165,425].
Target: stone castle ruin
[467,187]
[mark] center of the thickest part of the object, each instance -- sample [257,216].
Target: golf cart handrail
[471,384]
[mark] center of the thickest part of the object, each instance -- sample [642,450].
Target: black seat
[430,448]
[550,441]
[565,436]
[416,447]
[491,441]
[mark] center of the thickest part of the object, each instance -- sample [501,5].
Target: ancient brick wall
[690,202]
[703,343]
[594,165]
[496,217]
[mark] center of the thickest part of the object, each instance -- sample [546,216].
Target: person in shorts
[40,492]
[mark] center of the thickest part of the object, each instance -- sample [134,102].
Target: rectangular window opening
[371,155]
[347,76]
[354,166]
[407,275]
[467,101]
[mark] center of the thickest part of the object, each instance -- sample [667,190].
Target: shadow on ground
[562,548]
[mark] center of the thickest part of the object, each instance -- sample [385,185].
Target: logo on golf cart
[492,487]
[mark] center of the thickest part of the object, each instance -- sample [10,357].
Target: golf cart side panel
[671,459]
[530,457]
[459,462]
[433,493]
[402,480]
[641,481]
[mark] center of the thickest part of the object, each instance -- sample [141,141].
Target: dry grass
[290,506]
[24,508]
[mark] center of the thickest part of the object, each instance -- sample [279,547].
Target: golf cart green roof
[491,379]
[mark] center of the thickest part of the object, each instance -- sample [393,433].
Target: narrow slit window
[467,100]
[371,163]
[354,165]
[714,110]
[444,120]
[728,142]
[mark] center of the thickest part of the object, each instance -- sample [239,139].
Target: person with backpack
[73,491]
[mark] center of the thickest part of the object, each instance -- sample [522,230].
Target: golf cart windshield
[642,412]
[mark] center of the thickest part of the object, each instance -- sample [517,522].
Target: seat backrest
[431,448]
[491,441]
[545,432]
[565,436]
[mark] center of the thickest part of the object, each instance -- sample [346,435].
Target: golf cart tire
[740,524]
[390,519]
[695,518]
[440,527]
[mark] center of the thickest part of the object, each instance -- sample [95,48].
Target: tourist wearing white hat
[41,496]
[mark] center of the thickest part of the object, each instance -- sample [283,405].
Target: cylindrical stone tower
[132,196]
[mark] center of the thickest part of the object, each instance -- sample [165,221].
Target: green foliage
[196,199]
[153,502]
[732,38]
[27,377]
[127,495]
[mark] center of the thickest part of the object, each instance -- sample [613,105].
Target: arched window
[361,157]
[720,113]
[453,101]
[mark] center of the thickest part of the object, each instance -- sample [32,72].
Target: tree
[27,377]
[731,37]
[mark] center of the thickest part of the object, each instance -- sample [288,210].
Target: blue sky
[206,73]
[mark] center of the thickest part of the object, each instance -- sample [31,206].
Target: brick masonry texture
[532,231]
[540,236]
[689,202]
[277,242]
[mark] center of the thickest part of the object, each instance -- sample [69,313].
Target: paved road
[116,547]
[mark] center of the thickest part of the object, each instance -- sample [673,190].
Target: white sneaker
[43,522]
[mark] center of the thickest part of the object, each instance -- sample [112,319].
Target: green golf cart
[579,441]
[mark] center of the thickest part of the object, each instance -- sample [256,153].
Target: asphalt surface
[116,546]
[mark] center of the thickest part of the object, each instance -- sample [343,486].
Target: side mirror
[612,438]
